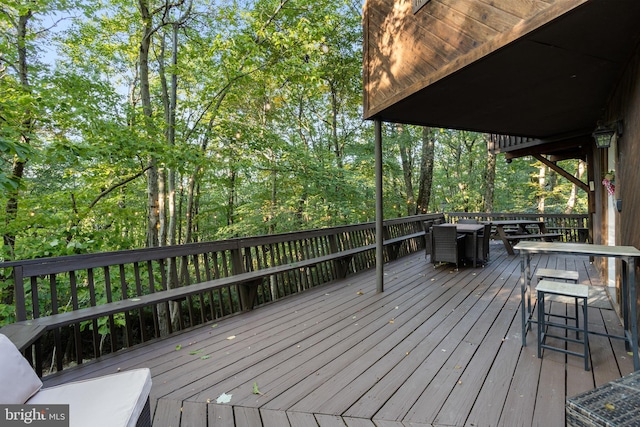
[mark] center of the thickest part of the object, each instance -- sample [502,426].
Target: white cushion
[109,401]
[18,381]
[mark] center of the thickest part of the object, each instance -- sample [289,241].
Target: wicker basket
[613,404]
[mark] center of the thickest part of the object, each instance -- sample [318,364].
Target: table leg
[633,310]
[475,249]
[626,299]
[542,227]
[523,304]
[503,236]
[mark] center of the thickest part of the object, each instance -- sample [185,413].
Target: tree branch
[116,185]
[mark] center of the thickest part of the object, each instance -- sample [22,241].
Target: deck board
[439,347]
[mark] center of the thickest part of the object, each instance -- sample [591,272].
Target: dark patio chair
[467,221]
[426,225]
[482,245]
[446,245]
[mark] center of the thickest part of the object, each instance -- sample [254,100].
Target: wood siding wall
[625,105]
[405,52]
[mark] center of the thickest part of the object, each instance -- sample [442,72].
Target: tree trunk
[490,182]
[153,190]
[171,138]
[571,203]
[541,190]
[191,201]
[231,196]
[153,215]
[407,167]
[426,171]
[17,169]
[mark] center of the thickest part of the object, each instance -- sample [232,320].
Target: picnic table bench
[24,333]
[548,237]
[511,231]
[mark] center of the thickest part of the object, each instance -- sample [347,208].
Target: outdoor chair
[427,225]
[446,245]
[116,400]
[467,221]
[482,245]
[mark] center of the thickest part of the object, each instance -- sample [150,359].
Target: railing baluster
[93,303]
[124,290]
[109,295]
[56,333]
[76,326]
[154,307]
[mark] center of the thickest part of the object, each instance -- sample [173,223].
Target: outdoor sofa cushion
[115,400]
[18,381]
[109,401]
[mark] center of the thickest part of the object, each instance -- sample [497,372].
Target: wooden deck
[437,348]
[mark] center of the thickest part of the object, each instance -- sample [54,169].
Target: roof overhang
[550,85]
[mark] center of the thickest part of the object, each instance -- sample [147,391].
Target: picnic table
[513,230]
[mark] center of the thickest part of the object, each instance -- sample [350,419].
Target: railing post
[18,289]
[239,267]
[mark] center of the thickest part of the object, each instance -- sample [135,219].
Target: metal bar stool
[577,291]
[569,276]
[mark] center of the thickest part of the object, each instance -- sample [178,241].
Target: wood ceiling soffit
[385,84]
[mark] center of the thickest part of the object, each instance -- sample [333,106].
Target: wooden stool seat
[568,276]
[550,273]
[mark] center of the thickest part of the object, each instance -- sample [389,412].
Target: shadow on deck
[437,348]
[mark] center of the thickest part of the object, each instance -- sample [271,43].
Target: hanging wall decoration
[609,182]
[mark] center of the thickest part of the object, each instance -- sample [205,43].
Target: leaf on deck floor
[255,389]
[178,347]
[224,398]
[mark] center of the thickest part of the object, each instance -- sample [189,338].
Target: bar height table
[627,254]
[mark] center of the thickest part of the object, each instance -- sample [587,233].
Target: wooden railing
[76,308]
[573,227]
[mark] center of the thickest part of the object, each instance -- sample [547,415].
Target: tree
[426,171]
[490,179]
[23,108]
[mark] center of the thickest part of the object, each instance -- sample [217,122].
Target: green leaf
[255,388]
[178,347]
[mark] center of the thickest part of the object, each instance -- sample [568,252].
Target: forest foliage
[130,124]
